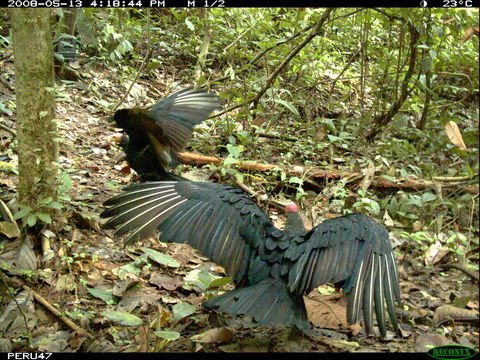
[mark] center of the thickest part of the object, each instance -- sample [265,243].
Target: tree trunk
[35,98]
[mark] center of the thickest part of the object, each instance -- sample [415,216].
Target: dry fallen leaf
[435,253]
[454,134]
[368,177]
[217,335]
[167,282]
[426,341]
[327,311]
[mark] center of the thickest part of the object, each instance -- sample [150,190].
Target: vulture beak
[120,140]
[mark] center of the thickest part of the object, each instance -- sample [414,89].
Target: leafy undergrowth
[148,297]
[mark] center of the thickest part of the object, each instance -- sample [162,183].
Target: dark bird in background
[272,269]
[153,137]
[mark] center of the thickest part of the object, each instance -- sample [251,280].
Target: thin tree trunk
[35,97]
[428,75]
[383,119]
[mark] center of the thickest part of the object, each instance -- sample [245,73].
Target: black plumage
[153,137]
[272,269]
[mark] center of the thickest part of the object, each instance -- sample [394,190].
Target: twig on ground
[57,313]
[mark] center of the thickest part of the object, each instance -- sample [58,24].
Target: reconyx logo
[447,352]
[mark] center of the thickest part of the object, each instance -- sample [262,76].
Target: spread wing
[178,113]
[353,252]
[218,220]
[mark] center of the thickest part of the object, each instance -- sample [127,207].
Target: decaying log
[319,174]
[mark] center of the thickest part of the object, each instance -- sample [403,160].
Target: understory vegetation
[342,111]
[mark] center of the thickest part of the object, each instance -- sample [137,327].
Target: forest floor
[90,274]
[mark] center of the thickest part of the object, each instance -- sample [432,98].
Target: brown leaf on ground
[217,335]
[167,282]
[327,311]
[435,253]
[138,297]
[122,286]
[426,341]
[142,339]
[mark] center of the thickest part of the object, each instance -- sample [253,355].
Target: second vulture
[272,269]
[153,137]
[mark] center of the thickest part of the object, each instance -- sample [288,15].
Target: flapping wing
[179,112]
[353,252]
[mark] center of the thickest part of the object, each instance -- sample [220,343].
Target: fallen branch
[318,174]
[57,313]
[451,178]
[463,269]
[7,129]
[199,160]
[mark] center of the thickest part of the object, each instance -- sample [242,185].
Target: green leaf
[31,220]
[470,172]
[44,217]
[368,204]
[54,205]
[235,151]
[289,106]
[333,138]
[330,125]
[243,136]
[326,290]
[182,310]
[295,180]
[25,210]
[230,160]
[129,268]
[206,277]
[199,278]
[64,197]
[45,201]
[160,258]
[105,295]
[239,176]
[169,335]
[189,24]
[122,318]
[65,184]
[391,178]
[220,282]
[426,197]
